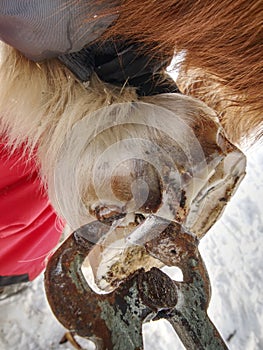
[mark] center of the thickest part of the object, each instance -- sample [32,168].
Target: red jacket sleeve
[29,227]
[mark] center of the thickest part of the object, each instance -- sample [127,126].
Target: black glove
[121,64]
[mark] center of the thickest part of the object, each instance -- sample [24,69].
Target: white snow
[233,256]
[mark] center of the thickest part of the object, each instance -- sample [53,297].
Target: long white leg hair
[40,103]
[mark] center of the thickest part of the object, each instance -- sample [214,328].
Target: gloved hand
[123,64]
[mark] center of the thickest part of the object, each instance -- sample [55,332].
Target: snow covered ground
[232,251]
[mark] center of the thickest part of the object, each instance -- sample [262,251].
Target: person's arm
[42,29]
[29,227]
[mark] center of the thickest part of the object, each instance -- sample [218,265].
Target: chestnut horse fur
[222,42]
